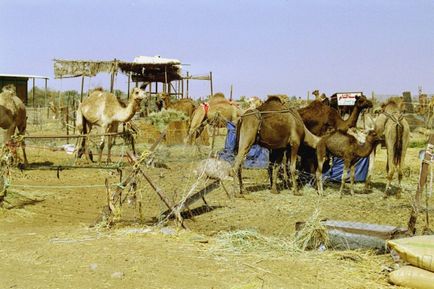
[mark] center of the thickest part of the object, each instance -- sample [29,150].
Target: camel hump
[393,104]
[218,95]
[274,98]
[99,88]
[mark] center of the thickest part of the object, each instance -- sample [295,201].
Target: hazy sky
[261,47]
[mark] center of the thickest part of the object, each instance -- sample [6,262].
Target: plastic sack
[412,277]
[418,251]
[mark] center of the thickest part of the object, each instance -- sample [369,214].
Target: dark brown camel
[319,118]
[347,147]
[274,130]
[393,127]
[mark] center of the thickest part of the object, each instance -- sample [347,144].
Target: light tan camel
[217,111]
[185,105]
[12,116]
[103,110]
[392,126]
[274,130]
[347,147]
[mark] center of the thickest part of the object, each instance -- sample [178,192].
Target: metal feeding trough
[344,235]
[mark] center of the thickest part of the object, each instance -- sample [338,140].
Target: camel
[103,110]
[393,127]
[319,118]
[185,105]
[12,116]
[217,112]
[276,131]
[347,147]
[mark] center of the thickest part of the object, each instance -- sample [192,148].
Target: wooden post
[82,88]
[188,96]
[45,95]
[67,118]
[182,88]
[112,82]
[33,92]
[230,96]
[128,85]
[421,185]
[210,81]
[165,80]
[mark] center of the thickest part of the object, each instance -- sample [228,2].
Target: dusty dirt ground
[47,237]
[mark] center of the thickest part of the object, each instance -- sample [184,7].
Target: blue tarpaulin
[335,172]
[256,158]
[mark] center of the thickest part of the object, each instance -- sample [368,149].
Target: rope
[59,187]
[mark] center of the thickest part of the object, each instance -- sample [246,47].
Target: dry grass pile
[312,235]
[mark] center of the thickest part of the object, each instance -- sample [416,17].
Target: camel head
[362,102]
[10,88]
[373,138]
[138,94]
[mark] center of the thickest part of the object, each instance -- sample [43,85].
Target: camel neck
[127,113]
[365,149]
[352,120]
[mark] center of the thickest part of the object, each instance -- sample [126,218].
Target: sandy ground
[47,237]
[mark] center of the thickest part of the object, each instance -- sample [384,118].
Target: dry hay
[162,118]
[176,132]
[147,133]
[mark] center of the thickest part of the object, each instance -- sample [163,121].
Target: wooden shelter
[21,83]
[144,69]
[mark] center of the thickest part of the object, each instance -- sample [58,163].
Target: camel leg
[23,148]
[109,148]
[368,182]
[344,178]
[352,173]
[294,151]
[319,177]
[245,142]
[390,171]
[276,157]
[101,145]
[275,167]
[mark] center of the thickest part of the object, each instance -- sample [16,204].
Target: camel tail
[398,144]
[237,137]
[310,139]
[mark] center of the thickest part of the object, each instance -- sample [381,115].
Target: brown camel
[217,111]
[185,105]
[12,116]
[276,130]
[392,126]
[103,110]
[320,118]
[347,147]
